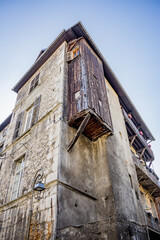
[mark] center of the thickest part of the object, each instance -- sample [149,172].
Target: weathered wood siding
[87,91]
[86,85]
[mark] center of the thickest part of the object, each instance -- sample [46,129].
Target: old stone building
[75,131]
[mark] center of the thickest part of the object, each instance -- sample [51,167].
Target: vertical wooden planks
[97,94]
[86,85]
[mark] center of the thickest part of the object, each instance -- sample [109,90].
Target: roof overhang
[5,122]
[77,31]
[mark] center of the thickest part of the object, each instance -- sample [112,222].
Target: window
[72,54]
[34,83]
[28,118]
[136,192]
[76,52]
[131,181]
[4,131]
[17,178]
[32,114]
[1,147]
[18,125]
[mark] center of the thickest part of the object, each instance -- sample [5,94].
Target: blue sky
[126,32]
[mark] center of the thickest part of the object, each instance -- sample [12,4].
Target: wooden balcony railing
[137,140]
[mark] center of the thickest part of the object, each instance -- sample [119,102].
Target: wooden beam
[79,131]
[140,179]
[140,150]
[133,139]
[142,153]
[150,164]
[153,191]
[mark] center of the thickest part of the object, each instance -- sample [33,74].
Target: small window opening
[76,52]
[131,181]
[95,77]
[77,95]
[34,83]
[4,132]
[1,147]
[76,204]
[100,103]
[137,195]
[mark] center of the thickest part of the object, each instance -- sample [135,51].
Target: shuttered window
[17,178]
[35,111]
[34,83]
[32,114]
[18,125]
[1,147]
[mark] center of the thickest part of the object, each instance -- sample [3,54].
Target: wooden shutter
[18,125]
[32,86]
[36,81]
[35,111]
[69,56]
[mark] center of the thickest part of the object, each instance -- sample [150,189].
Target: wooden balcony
[153,225]
[147,178]
[137,140]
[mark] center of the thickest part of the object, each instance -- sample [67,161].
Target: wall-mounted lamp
[39,186]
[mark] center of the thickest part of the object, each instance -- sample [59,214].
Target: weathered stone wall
[85,199]
[40,146]
[129,210]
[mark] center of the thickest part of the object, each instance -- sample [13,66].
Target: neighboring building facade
[73,119]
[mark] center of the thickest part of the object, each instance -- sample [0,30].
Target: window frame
[30,109]
[17,171]
[34,108]
[76,52]
[18,126]
[1,147]
[34,83]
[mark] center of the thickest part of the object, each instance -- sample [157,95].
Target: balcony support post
[153,191]
[79,131]
[133,138]
[140,178]
[142,152]
[150,164]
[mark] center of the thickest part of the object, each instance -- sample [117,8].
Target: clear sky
[126,32]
